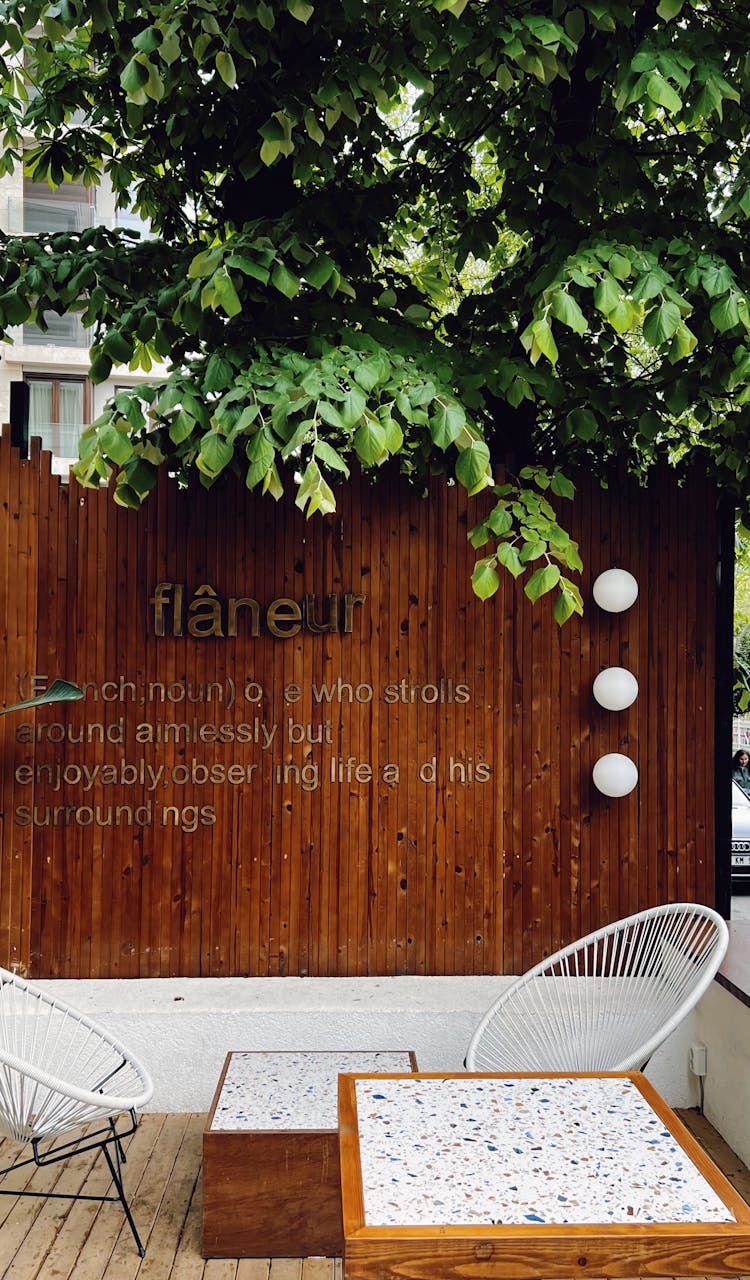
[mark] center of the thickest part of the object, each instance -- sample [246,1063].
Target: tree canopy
[434,232]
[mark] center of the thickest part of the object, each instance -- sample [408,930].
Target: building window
[60,331]
[70,207]
[59,409]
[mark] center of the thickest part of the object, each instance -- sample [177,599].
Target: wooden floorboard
[58,1239]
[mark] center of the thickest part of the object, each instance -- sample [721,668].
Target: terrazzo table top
[283,1090]
[527,1151]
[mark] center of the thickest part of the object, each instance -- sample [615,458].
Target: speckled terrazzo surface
[292,1090]
[562,1151]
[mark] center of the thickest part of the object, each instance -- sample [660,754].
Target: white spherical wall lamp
[615,590]
[615,775]
[615,688]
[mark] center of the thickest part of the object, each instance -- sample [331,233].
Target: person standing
[741,770]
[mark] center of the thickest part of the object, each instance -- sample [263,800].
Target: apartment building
[52,367]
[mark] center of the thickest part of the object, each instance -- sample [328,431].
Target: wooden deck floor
[57,1239]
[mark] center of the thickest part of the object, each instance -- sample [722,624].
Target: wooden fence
[377,773]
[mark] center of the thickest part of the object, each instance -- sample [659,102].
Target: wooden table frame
[273,1192]
[529,1252]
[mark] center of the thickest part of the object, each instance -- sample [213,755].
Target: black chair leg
[115,1170]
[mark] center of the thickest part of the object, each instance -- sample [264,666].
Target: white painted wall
[722,1023]
[182,1028]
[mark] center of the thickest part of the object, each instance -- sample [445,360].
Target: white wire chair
[59,1072]
[606,1002]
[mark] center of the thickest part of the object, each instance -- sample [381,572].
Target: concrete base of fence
[182,1028]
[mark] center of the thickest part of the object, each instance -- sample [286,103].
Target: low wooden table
[498,1176]
[271,1181]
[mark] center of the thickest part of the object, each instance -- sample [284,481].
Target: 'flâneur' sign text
[205,614]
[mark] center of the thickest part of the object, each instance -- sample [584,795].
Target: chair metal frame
[58,1072]
[607,1001]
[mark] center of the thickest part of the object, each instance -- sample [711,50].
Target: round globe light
[615,774]
[615,688]
[615,590]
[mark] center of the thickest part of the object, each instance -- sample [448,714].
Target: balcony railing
[62,331]
[60,438]
[31,217]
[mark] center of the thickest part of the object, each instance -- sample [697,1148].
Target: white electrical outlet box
[698,1059]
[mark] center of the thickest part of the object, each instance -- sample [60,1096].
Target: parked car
[740,839]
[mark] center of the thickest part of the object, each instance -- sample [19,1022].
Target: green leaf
[624,316]
[582,424]
[169,49]
[249,267]
[473,467]
[538,340]
[650,284]
[101,365]
[116,445]
[260,454]
[532,550]
[270,152]
[607,294]
[661,92]
[394,436]
[684,343]
[272,483]
[417,313]
[125,496]
[219,373]
[14,308]
[717,279]
[318,272]
[246,418]
[500,520]
[118,346]
[649,425]
[313,128]
[300,10]
[181,426]
[205,263]
[285,281]
[542,581]
[313,492]
[134,75]
[330,414]
[484,578]
[368,374]
[479,535]
[273,130]
[725,313]
[562,486]
[620,266]
[661,323]
[369,442]
[329,456]
[226,68]
[668,9]
[509,558]
[226,292]
[140,474]
[446,422]
[215,454]
[565,606]
[567,311]
[352,407]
